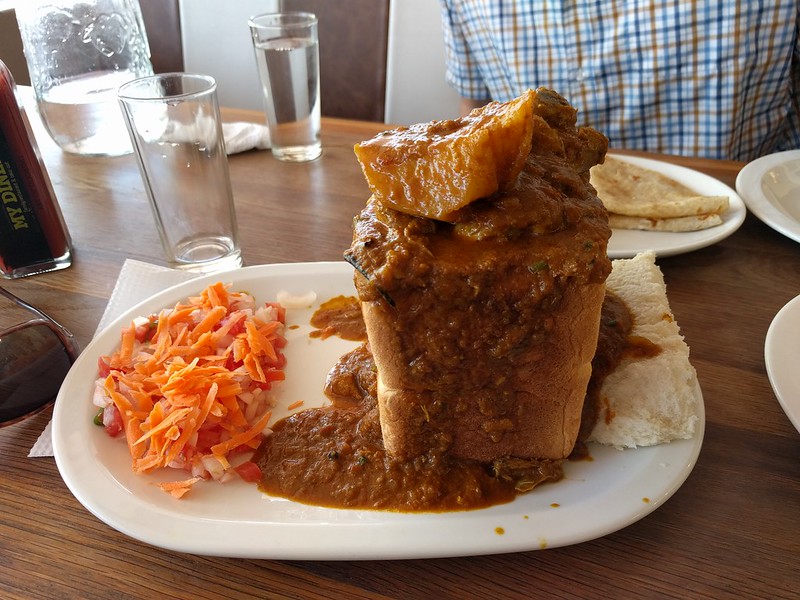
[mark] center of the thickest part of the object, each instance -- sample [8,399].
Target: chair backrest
[162,20]
[11,47]
[353,38]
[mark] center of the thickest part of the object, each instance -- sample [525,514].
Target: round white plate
[770,186]
[234,519]
[782,356]
[626,243]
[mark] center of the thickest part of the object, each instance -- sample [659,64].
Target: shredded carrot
[179,488]
[178,391]
[164,423]
[294,405]
[211,319]
[242,438]
[134,429]
[215,295]
[126,346]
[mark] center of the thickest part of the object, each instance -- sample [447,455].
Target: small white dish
[782,357]
[595,498]
[627,243]
[770,187]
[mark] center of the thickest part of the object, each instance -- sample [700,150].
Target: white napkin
[242,136]
[137,281]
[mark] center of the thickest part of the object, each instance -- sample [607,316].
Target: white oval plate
[627,243]
[770,187]
[782,357]
[234,519]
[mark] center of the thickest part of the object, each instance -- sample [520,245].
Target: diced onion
[100,398]
[296,301]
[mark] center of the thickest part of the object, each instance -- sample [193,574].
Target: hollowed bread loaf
[483,327]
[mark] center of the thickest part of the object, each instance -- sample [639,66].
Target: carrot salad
[190,387]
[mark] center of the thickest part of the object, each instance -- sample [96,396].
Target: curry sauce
[334,456]
[339,316]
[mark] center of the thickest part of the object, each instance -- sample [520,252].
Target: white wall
[216,42]
[415,87]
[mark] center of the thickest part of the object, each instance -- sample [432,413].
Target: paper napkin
[242,136]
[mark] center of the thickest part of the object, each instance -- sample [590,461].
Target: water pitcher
[78,54]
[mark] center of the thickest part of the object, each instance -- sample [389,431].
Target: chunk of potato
[433,169]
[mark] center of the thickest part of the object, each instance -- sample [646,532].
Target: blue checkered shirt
[709,78]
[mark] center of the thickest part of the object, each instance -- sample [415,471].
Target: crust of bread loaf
[648,401]
[543,411]
[384,341]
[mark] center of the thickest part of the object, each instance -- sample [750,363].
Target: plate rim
[365,535]
[748,184]
[778,335]
[683,242]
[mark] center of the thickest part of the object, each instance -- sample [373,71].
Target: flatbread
[672,224]
[628,189]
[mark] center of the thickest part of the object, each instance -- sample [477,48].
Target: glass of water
[78,53]
[287,54]
[174,124]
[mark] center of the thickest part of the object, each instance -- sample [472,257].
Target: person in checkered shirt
[709,78]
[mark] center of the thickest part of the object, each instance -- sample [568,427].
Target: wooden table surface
[732,530]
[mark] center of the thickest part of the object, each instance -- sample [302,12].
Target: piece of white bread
[648,401]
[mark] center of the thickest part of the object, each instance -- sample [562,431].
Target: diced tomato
[145,331]
[278,363]
[274,375]
[141,332]
[238,328]
[208,437]
[103,368]
[112,420]
[232,364]
[270,375]
[281,311]
[249,471]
